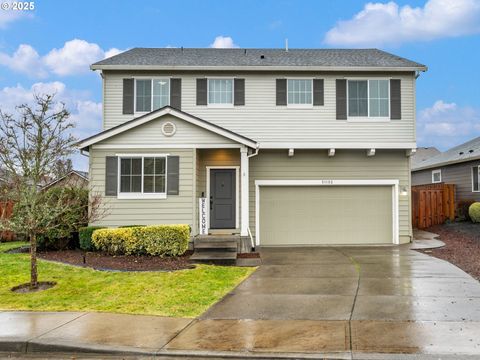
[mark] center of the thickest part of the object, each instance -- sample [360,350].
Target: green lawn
[185,293]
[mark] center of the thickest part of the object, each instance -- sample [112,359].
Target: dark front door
[222,198]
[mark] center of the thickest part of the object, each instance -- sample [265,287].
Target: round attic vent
[169,129]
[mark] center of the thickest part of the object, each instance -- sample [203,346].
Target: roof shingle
[207,57]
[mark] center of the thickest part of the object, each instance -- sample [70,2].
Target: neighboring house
[459,166]
[73,178]
[297,147]
[422,154]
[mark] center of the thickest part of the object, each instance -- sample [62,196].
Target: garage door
[324,215]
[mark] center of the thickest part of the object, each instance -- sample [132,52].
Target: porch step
[214,257]
[228,245]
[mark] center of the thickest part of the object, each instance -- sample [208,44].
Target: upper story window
[436,176]
[299,92]
[220,92]
[475,179]
[151,94]
[142,176]
[368,98]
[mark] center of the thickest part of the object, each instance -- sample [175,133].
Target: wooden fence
[432,204]
[6,209]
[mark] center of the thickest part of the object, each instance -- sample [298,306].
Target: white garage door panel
[323,215]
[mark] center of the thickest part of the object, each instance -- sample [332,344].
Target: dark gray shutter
[239,92]
[395,99]
[281,92]
[202,91]
[341,94]
[176,93]
[111,175]
[128,99]
[318,92]
[173,171]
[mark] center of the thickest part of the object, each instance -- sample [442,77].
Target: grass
[185,293]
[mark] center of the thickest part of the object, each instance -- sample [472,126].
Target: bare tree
[32,145]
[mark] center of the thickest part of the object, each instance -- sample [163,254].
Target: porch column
[244,218]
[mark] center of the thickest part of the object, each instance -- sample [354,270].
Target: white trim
[436,171]
[245,193]
[237,192]
[166,146]
[344,145]
[157,114]
[329,182]
[141,194]
[478,178]
[368,118]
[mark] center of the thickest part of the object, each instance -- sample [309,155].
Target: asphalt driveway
[345,301]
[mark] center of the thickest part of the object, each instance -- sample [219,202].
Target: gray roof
[422,154]
[461,153]
[179,58]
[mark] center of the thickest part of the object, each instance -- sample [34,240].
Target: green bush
[130,226]
[474,212]
[85,236]
[157,240]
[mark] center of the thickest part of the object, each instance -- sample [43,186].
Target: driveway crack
[357,269]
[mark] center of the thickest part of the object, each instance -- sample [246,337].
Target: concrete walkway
[336,303]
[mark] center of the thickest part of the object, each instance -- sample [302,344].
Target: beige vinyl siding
[173,210]
[151,134]
[263,121]
[345,165]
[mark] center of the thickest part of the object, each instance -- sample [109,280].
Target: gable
[151,133]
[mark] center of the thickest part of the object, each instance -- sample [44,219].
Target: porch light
[404,191]
[291,152]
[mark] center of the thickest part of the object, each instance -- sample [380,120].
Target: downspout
[252,244]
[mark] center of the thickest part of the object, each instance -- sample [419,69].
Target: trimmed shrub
[130,226]
[85,236]
[156,240]
[474,212]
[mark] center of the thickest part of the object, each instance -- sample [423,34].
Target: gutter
[260,68]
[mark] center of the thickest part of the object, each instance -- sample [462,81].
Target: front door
[222,198]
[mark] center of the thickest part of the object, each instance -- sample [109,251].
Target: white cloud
[388,23]
[75,57]
[223,42]
[25,60]
[445,125]
[85,113]
[8,16]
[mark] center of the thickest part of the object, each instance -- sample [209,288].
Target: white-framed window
[220,92]
[368,98]
[299,92]
[142,176]
[436,176]
[475,179]
[151,94]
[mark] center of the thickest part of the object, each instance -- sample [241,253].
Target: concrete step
[206,244]
[214,257]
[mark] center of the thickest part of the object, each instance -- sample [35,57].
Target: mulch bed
[252,255]
[462,246]
[102,261]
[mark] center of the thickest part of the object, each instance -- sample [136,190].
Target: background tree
[32,145]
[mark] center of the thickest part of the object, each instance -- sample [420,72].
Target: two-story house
[289,147]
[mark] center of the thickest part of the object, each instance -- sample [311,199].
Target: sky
[50,48]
